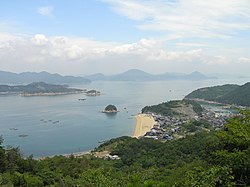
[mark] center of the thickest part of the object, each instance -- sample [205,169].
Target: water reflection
[111,115]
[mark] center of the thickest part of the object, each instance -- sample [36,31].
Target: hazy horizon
[113,36]
[216,75]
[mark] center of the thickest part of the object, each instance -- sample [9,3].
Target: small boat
[23,135]
[81,99]
[13,129]
[54,122]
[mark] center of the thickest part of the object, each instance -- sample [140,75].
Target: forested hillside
[217,158]
[239,96]
[211,93]
[175,108]
[227,94]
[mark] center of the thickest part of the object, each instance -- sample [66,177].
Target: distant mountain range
[228,94]
[138,75]
[37,87]
[130,75]
[29,77]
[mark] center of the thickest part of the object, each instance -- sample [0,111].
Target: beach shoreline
[144,122]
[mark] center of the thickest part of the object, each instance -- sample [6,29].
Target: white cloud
[67,49]
[217,60]
[71,54]
[74,52]
[244,60]
[187,18]
[140,47]
[6,37]
[182,44]
[39,39]
[46,11]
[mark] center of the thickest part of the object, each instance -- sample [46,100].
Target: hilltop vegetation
[211,93]
[227,94]
[175,108]
[239,96]
[205,159]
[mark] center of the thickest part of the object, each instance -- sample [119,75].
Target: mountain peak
[134,71]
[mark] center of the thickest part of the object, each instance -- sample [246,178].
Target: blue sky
[88,36]
[82,18]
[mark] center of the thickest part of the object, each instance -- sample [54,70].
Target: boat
[13,129]
[81,99]
[23,135]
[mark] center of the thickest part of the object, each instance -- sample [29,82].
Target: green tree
[210,177]
[234,149]
[2,156]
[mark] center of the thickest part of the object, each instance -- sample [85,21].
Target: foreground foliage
[204,159]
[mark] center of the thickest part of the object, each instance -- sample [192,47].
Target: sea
[54,125]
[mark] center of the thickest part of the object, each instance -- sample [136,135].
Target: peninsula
[226,94]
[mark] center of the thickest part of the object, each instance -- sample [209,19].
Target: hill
[139,75]
[96,77]
[239,96]
[29,77]
[210,93]
[175,108]
[227,94]
[37,87]
[132,75]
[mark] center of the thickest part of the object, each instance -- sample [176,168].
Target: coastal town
[167,127]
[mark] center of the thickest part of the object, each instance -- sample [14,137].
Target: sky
[81,37]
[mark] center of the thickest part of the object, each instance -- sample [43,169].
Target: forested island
[110,109]
[38,89]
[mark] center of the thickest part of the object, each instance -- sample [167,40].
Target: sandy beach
[144,122]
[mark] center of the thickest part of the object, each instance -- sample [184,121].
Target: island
[93,93]
[38,89]
[110,109]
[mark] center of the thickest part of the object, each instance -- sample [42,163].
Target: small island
[93,93]
[110,109]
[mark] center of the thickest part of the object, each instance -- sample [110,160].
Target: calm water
[81,125]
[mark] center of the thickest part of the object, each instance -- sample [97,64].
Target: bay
[63,124]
